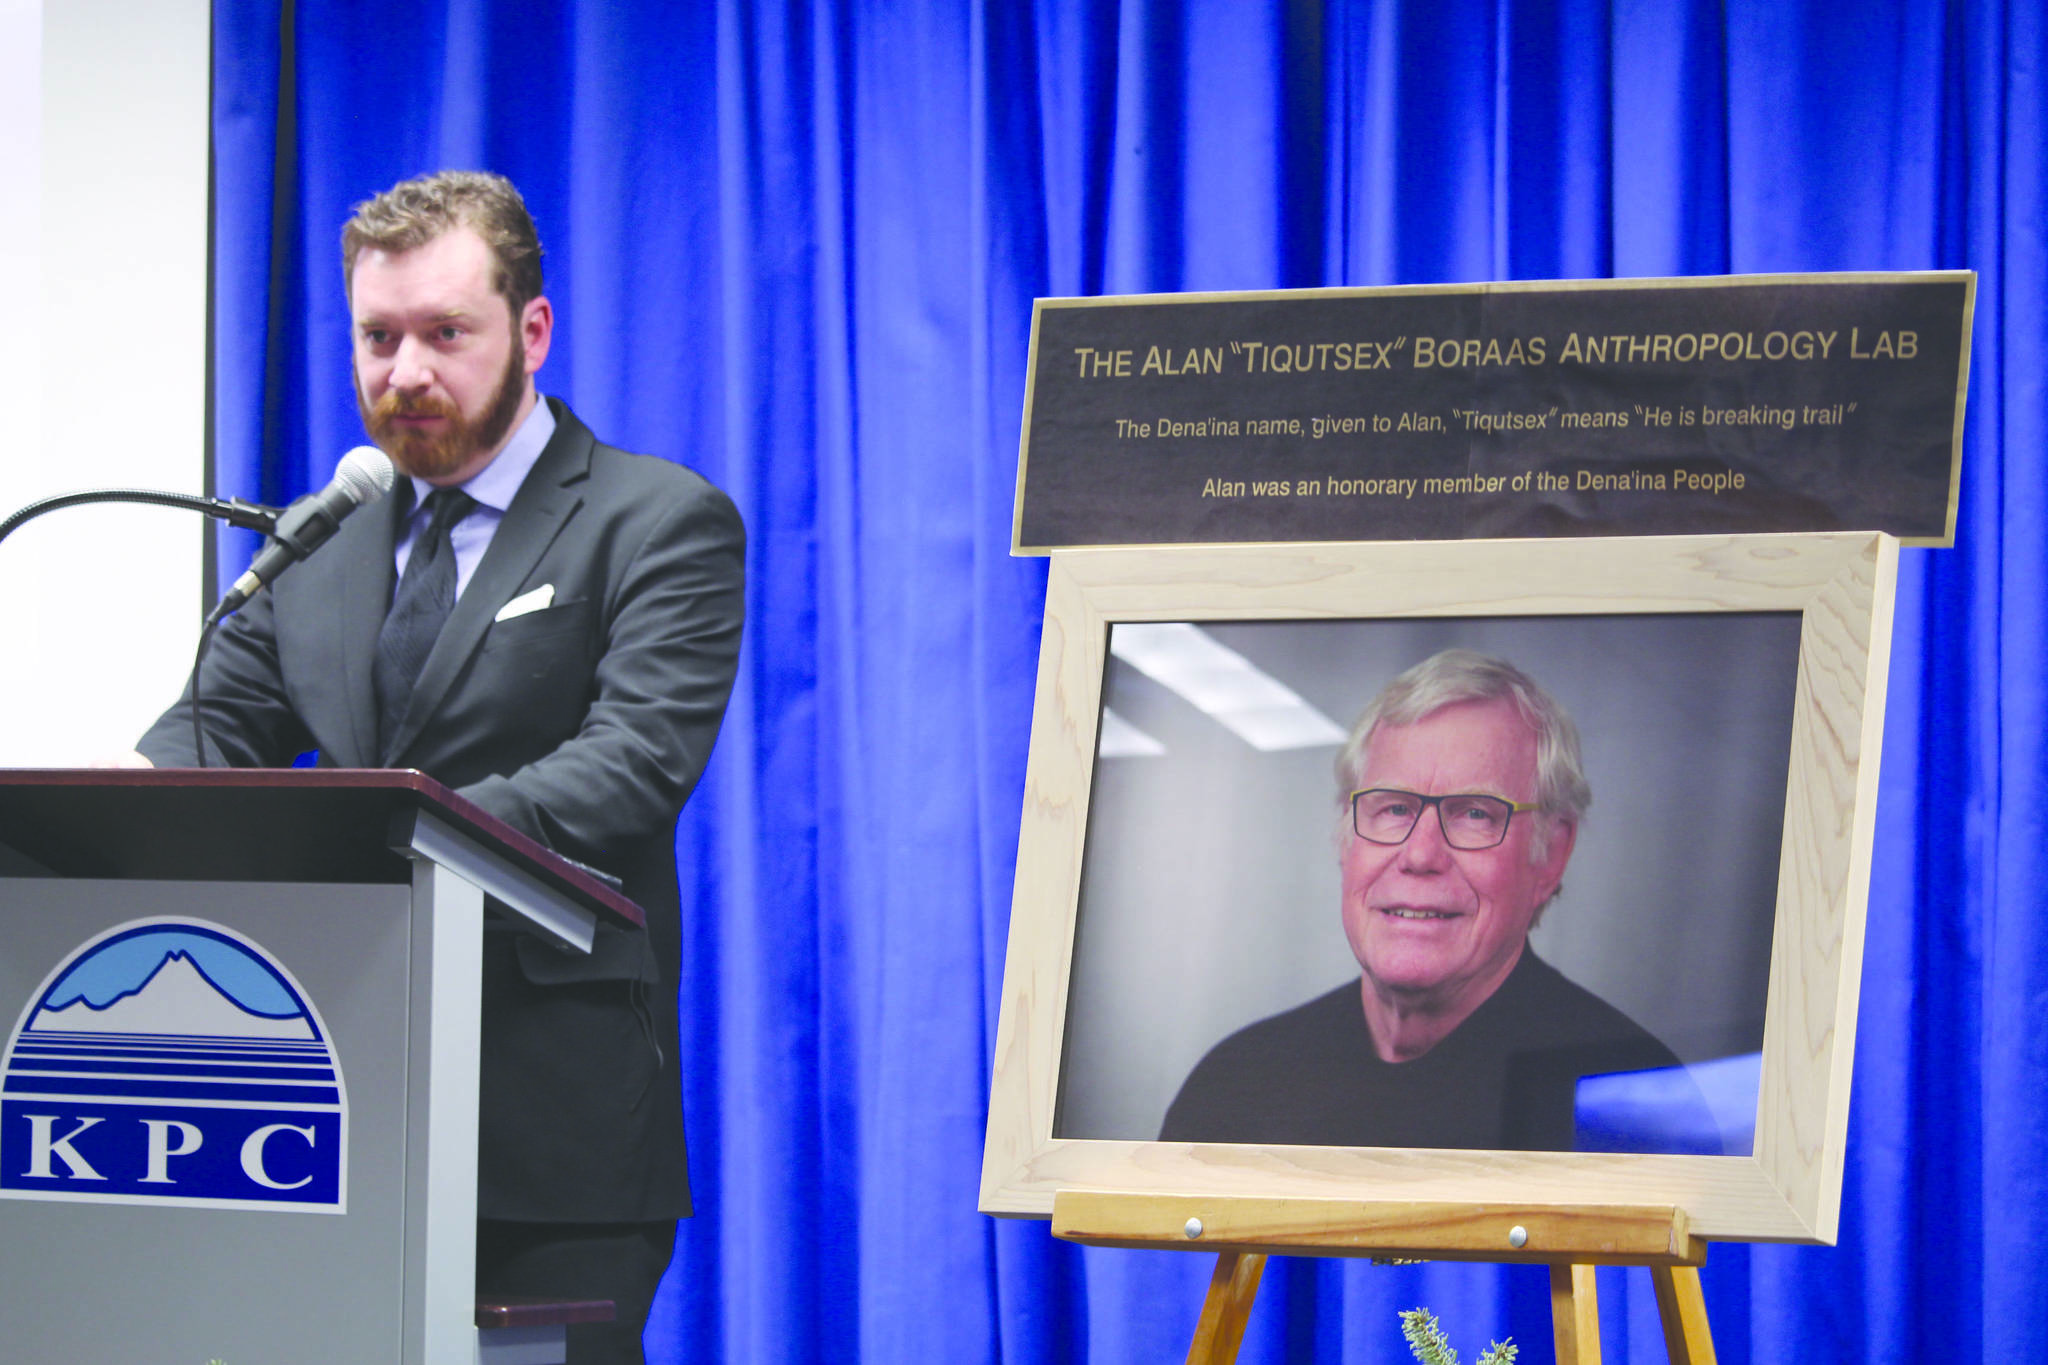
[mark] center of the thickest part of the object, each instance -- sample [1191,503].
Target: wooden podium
[293,1176]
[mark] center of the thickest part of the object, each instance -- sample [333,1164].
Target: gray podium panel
[117,1129]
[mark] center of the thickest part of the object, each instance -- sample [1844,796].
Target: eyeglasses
[1470,820]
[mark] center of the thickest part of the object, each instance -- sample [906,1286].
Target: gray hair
[1462,675]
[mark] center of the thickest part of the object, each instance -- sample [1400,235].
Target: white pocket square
[542,596]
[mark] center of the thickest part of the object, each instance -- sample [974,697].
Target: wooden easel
[1244,1230]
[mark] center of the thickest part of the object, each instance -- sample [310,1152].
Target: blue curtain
[796,246]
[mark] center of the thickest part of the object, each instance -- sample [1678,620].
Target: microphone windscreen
[366,473]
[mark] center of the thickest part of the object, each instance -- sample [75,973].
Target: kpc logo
[173,1062]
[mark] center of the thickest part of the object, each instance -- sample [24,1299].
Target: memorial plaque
[1598,408]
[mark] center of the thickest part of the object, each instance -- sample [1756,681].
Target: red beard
[436,454]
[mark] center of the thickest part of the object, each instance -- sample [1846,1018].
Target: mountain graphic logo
[173,1061]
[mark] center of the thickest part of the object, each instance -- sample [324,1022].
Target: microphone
[364,475]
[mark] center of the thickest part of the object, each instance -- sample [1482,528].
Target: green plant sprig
[1432,1347]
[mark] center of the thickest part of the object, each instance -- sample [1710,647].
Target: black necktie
[426,594]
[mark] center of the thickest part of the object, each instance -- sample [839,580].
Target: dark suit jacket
[585,725]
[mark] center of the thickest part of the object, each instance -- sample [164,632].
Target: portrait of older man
[1462,792]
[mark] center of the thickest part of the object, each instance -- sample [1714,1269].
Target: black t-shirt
[1503,1079]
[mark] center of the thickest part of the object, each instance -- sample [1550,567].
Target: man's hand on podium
[131,759]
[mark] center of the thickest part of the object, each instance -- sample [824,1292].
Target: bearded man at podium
[549,626]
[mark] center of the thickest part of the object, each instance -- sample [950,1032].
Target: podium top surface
[258,824]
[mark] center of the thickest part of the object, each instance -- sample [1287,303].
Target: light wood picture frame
[1788,1188]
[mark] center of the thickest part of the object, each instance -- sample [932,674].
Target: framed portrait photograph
[1512,872]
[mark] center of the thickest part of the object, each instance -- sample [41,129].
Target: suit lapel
[368,577]
[329,611]
[543,505]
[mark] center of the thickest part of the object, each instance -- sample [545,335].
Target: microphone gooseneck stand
[249,516]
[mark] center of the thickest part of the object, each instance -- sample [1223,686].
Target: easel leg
[1574,1314]
[1231,1291]
[1684,1311]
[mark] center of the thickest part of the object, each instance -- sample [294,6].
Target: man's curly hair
[414,212]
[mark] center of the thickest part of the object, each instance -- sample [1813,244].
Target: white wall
[103,155]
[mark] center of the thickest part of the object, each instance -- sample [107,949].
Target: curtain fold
[795,246]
